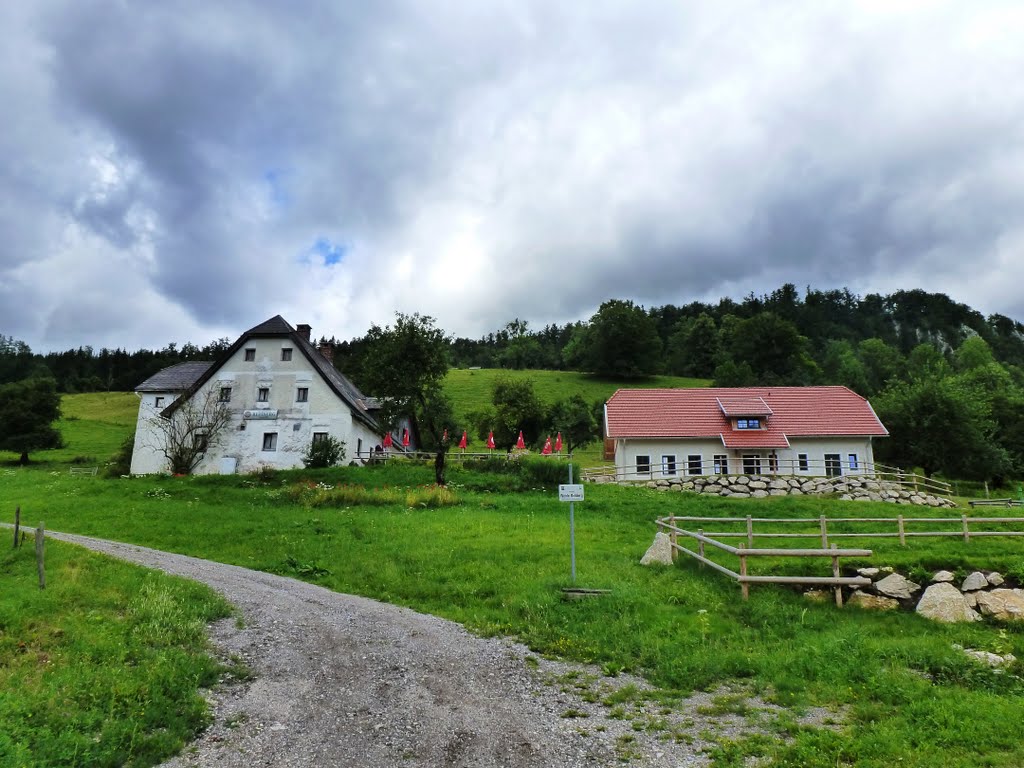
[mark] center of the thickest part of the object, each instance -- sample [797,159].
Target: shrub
[324,453]
[121,462]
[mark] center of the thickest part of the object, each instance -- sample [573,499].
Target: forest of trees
[947,381]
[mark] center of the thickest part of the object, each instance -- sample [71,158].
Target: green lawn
[102,667]
[497,559]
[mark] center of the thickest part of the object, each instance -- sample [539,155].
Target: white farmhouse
[280,392]
[825,431]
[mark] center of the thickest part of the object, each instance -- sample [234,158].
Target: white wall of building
[855,457]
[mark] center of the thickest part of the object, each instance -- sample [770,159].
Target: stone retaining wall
[849,488]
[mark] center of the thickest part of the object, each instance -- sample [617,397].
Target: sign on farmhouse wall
[260,413]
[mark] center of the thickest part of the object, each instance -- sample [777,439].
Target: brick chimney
[327,351]
[304,330]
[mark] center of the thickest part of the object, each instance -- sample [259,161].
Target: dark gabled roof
[278,326]
[176,378]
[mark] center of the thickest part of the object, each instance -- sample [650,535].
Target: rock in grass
[995,579]
[1002,604]
[943,577]
[660,552]
[943,602]
[991,659]
[975,581]
[873,602]
[897,586]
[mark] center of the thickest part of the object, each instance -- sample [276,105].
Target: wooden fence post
[744,586]
[967,533]
[903,539]
[824,531]
[673,537]
[700,545]
[17,524]
[835,574]
[40,533]
[750,532]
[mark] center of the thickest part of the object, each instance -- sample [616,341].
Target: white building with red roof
[814,431]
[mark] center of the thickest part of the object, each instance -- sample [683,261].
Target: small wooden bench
[91,471]
[995,503]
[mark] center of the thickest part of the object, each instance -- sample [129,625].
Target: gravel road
[340,680]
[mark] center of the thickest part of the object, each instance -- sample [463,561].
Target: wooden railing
[836,581]
[455,455]
[808,470]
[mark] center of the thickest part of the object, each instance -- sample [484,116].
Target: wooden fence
[372,457]
[835,581]
[900,527]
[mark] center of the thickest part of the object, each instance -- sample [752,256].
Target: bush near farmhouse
[27,412]
[324,453]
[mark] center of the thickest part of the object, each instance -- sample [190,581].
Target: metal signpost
[571,493]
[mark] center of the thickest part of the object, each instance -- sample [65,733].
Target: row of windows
[263,394]
[250,354]
[750,463]
[270,440]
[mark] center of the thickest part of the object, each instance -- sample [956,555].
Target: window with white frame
[802,462]
[158,402]
[668,464]
[751,464]
[319,437]
[201,441]
[695,464]
[748,423]
[250,354]
[225,394]
[302,395]
[643,465]
[721,464]
[853,461]
[270,441]
[286,354]
[263,394]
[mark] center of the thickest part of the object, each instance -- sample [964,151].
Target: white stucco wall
[293,424]
[786,460]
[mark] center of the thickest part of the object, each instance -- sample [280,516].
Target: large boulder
[660,552]
[897,586]
[943,602]
[1002,604]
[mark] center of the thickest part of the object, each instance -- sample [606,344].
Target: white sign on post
[572,492]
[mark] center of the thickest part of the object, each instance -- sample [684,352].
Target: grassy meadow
[493,554]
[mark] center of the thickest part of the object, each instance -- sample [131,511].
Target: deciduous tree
[404,366]
[27,412]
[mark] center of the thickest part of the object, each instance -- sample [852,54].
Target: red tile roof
[744,406]
[697,413]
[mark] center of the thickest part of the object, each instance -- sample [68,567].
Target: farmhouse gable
[281,393]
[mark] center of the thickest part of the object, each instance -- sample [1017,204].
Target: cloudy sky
[183,170]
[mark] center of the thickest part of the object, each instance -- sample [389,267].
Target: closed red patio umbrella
[490,441]
[405,438]
[546,451]
[520,443]
[463,441]
[387,440]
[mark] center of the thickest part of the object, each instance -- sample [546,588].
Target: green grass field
[496,561]
[101,667]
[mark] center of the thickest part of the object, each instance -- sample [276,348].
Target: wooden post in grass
[835,573]
[744,586]
[903,537]
[700,546]
[967,533]
[39,556]
[824,531]
[750,532]
[673,537]
[17,524]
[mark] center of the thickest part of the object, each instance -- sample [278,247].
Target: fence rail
[370,457]
[744,579]
[780,468]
